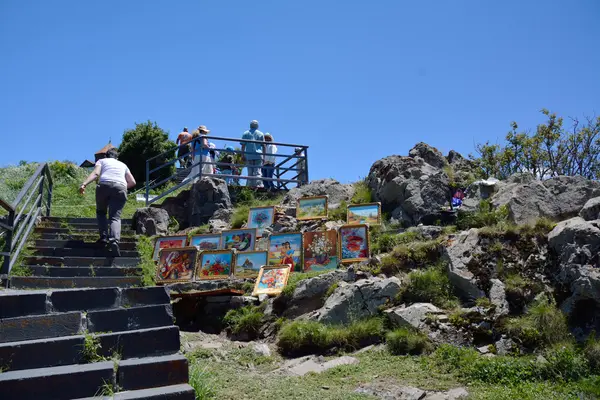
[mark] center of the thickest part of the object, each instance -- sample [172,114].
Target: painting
[238,239]
[261,218]
[271,279]
[286,248]
[168,242]
[354,243]
[176,264]
[249,263]
[312,208]
[320,251]
[369,214]
[215,264]
[206,242]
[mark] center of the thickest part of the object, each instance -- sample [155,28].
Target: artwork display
[168,242]
[215,264]
[206,242]
[320,251]
[238,239]
[248,264]
[261,218]
[364,214]
[354,243]
[312,208]
[176,264]
[271,279]
[286,248]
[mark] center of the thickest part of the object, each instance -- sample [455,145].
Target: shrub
[63,171]
[385,242]
[591,351]
[428,286]
[404,341]
[340,213]
[485,215]
[563,363]
[244,320]
[145,247]
[412,255]
[362,193]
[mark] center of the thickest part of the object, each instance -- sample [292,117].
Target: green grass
[411,255]
[405,341]
[297,277]
[431,285]
[362,193]
[91,348]
[340,213]
[245,320]
[485,215]
[145,246]
[242,208]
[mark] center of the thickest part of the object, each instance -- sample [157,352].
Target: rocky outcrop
[207,195]
[498,298]
[220,220]
[357,300]
[336,192]
[591,209]
[431,155]
[415,315]
[389,392]
[460,253]
[151,221]
[409,188]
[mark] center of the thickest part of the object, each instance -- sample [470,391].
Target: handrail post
[305,169]
[4,270]
[147,182]
[50,187]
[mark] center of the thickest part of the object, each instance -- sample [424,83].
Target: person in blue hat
[252,154]
[226,164]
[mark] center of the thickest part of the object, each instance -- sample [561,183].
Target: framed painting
[248,264]
[206,242]
[353,242]
[312,208]
[238,239]
[271,279]
[261,218]
[168,242]
[215,264]
[176,264]
[369,214]
[286,248]
[320,251]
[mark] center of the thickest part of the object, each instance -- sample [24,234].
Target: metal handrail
[300,166]
[23,215]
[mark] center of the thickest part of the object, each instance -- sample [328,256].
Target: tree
[143,142]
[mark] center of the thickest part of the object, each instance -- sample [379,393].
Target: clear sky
[354,80]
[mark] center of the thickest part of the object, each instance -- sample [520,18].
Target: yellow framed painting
[369,213]
[271,279]
[248,263]
[312,208]
[176,264]
[217,264]
[168,242]
[353,243]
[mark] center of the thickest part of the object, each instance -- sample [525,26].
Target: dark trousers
[183,154]
[110,197]
[267,172]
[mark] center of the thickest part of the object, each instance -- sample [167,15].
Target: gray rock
[572,192]
[414,315]
[505,346]
[336,192]
[151,221]
[261,349]
[591,209]
[572,234]
[220,220]
[358,300]
[431,155]
[315,365]
[498,298]
[459,253]
[207,195]
[427,232]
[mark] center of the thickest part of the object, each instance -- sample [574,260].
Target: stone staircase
[82,329]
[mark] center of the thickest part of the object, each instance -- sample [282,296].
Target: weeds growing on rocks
[245,320]
[431,285]
[406,341]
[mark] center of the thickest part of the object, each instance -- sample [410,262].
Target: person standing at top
[200,153]
[111,196]
[252,153]
[269,164]
[183,140]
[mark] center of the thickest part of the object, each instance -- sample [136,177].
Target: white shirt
[112,170]
[271,149]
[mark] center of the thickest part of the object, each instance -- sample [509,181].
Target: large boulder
[409,188]
[358,300]
[207,195]
[591,209]
[336,192]
[459,253]
[415,315]
[151,221]
[430,154]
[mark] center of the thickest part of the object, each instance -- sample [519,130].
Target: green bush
[428,286]
[145,247]
[362,193]
[592,352]
[404,341]
[245,320]
[564,363]
[485,215]
[411,255]
[385,242]
[340,213]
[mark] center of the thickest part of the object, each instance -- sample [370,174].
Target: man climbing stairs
[85,327]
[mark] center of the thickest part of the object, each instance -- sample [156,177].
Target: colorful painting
[238,239]
[261,218]
[354,243]
[271,279]
[312,208]
[249,263]
[286,248]
[215,264]
[176,264]
[206,242]
[364,214]
[168,242]
[320,251]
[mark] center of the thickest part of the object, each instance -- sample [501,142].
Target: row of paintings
[317,208]
[309,251]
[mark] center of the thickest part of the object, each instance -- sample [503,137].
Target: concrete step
[78,220]
[78,225]
[86,232]
[40,282]
[40,326]
[75,261]
[41,270]
[78,237]
[57,383]
[79,252]
[68,350]
[128,319]
[174,392]
[129,245]
[149,372]
[21,304]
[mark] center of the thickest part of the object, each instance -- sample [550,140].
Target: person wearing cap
[183,153]
[201,154]
[225,164]
[269,164]
[252,153]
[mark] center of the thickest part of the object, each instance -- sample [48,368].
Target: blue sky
[354,80]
